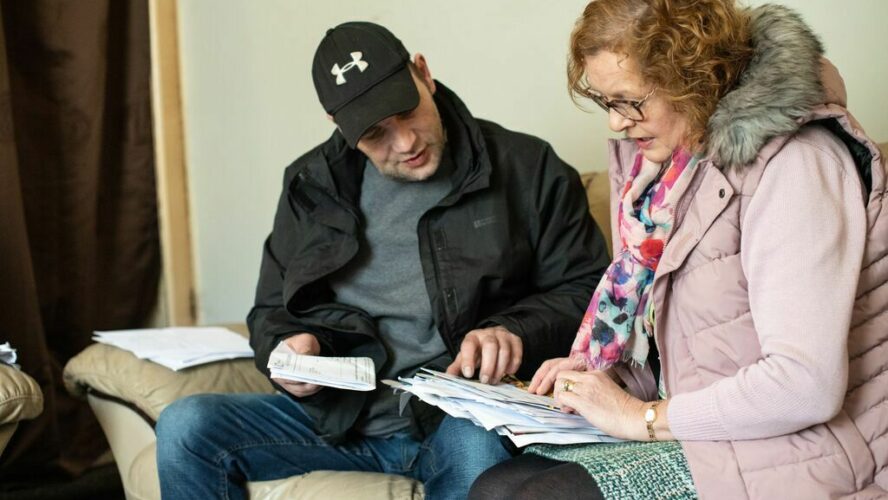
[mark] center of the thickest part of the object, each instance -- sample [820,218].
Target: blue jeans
[209,445]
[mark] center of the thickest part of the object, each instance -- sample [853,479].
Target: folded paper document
[512,412]
[356,374]
[179,347]
[8,355]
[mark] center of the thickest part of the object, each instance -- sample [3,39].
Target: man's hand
[307,344]
[496,350]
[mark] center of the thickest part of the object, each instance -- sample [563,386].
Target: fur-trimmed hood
[781,85]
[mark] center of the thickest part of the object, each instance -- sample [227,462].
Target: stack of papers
[356,374]
[179,347]
[8,355]
[522,417]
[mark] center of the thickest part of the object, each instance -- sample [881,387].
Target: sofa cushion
[330,485]
[151,387]
[338,486]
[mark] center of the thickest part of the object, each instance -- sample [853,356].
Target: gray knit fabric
[630,470]
[386,280]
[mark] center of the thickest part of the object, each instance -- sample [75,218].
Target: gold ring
[567,385]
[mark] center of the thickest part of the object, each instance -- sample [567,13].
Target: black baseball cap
[361,76]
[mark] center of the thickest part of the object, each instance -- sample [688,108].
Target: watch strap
[649,421]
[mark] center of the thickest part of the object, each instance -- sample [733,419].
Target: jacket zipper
[445,335]
[680,212]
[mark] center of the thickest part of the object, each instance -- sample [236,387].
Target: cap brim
[393,95]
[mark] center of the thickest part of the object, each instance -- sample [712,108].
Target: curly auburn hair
[693,51]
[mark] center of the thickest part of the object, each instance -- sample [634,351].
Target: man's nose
[403,138]
[618,122]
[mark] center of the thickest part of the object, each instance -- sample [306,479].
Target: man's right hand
[306,344]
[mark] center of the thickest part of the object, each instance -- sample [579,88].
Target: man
[417,236]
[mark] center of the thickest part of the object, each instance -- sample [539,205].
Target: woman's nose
[618,122]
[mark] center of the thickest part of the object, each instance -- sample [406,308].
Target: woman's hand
[545,376]
[595,396]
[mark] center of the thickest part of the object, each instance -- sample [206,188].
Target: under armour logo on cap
[356,61]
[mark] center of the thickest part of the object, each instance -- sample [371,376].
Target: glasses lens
[628,110]
[597,99]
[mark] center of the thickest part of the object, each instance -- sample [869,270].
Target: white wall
[250,107]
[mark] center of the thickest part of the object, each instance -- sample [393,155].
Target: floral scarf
[618,323]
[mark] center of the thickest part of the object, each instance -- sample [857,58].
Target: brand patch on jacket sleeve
[486,221]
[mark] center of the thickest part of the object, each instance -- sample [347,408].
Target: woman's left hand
[595,396]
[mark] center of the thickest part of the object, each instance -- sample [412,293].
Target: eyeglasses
[626,108]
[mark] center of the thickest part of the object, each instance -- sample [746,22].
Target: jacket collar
[466,143]
[779,87]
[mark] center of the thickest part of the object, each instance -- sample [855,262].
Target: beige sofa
[20,399]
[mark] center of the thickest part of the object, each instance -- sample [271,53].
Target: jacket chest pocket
[720,241]
[488,244]
[481,258]
[709,204]
[317,258]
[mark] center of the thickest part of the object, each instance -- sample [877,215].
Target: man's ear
[330,117]
[422,67]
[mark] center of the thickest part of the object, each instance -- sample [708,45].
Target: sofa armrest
[20,396]
[20,399]
[150,387]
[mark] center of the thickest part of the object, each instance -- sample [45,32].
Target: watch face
[650,415]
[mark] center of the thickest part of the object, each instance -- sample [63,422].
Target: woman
[738,338]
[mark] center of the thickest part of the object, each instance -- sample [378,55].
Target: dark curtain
[79,248]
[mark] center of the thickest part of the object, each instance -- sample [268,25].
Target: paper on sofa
[179,347]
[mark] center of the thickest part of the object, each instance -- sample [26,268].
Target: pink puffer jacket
[761,411]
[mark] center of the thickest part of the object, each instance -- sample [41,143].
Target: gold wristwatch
[650,416]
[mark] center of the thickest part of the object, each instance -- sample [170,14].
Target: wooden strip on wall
[172,179]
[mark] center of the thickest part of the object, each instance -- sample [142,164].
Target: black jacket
[512,244]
